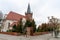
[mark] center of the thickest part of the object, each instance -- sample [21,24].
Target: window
[8,25]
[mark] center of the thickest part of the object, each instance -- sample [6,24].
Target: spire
[28,9]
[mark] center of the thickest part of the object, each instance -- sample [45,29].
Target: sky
[41,8]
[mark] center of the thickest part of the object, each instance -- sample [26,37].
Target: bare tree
[54,22]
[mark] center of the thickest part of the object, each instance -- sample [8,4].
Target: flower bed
[40,33]
[17,34]
[11,33]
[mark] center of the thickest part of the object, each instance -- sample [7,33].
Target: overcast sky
[41,8]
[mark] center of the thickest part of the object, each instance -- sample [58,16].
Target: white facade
[6,24]
[23,21]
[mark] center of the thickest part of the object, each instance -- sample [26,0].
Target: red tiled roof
[14,16]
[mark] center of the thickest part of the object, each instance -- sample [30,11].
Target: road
[39,37]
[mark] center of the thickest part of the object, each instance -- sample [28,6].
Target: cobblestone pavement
[40,37]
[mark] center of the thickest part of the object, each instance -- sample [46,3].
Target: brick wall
[40,33]
[11,33]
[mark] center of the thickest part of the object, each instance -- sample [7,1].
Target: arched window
[8,24]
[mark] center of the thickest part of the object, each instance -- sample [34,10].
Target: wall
[5,23]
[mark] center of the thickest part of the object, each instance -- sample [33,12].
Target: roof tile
[14,16]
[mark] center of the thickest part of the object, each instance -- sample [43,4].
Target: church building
[12,18]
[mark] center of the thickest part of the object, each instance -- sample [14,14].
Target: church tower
[29,14]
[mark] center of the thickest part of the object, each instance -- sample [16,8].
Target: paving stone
[39,37]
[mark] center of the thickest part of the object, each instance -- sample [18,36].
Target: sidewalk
[39,37]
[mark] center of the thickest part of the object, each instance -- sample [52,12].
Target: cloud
[41,8]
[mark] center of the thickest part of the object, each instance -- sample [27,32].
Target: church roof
[14,16]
